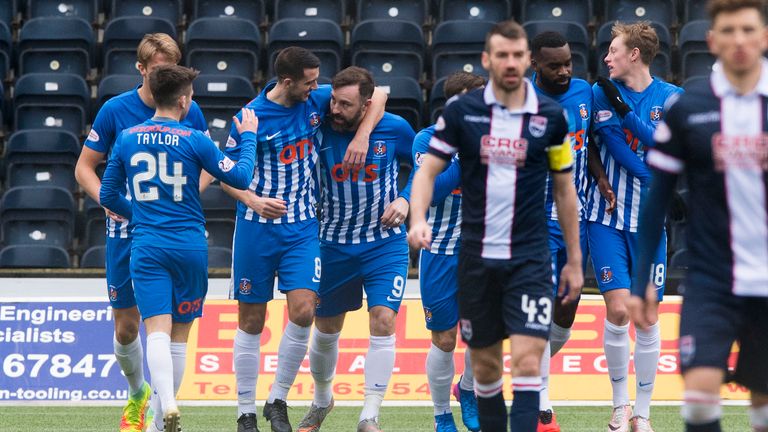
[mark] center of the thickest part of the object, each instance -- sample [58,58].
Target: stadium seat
[52,44]
[94,225]
[695,58]
[662,63]
[34,256]
[42,157]
[323,37]
[220,97]
[483,10]
[456,46]
[85,9]
[679,259]
[217,204]
[219,232]
[5,50]
[694,10]
[8,11]
[37,215]
[388,48]
[406,10]
[404,98]
[662,11]
[219,257]
[94,257]
[437,100]
[677,235]
[251,10]
[169,10]
[694,81]
[122,35]
[312,9]
[51,100]
[577,38]
[223,46]
[113,85]
[578,11]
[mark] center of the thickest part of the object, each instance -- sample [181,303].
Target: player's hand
[395,213]
[250,122]
[614,96]
[604,186]
[266,207]
[114,216]
[572,280]
[420,234]
[644,312]
[354,158]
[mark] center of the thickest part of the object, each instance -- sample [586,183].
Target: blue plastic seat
[113,85]
[695,58]
[217,204]
[8,11]
[694,10]
[579,11]
[5,50]
[122,36]
[404,98]
[389,48]
[94,225]
[483,10]
[37,215]
[323,37]
[85,9]
[169,10]
[94,257]
[415,11]
[220,97]
[47,157]
[251,10]
[34,256]
[55,44]
[457,46]
[662,11]
[219,257]
[51,100]
[223,46]
[311,9]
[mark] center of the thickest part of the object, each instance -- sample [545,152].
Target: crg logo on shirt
[740,151]
[503,150]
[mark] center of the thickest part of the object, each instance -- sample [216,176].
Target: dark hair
[168,82]
[716,7]
[354,75]
[508,29]
[549,39]
[457,82]
[291,62]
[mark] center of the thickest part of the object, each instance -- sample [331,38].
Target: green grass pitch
[393,419]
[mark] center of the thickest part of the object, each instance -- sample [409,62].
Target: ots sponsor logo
[577,139]
[583,112]
[379,149]
[112,293]
[503,150]
[368,174]
[537,126]
[293,152]
[187,307]
[606,274]
[656,113]
[740,151]
[314,120]
[244,287]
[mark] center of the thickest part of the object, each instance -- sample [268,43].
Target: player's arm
[595,166]
[445,182]
[354,158]
[238,174]
[111,194]
[396,212]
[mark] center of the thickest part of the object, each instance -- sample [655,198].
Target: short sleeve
[668,154]
[102,133]
[321,99]
[446,141]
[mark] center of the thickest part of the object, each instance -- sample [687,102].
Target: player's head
[551,59]
[633,47]
[156,49]
[506,56]
[352,89]
[171,87]
[738,36]
[461,82]
[297,69]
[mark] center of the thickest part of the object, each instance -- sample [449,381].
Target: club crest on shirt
[583,111]
[687,349]
[428,314]
[466,329]
[112,293]
[314,120]
[656,112]
[244,286]
[606,274]
[537,125]
[379,149]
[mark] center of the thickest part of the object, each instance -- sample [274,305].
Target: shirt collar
[530,105]
[722,87]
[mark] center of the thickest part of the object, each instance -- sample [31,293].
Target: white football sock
[379,363]
[467,381]
[558,336]
[647,349]
[290,354]
[544,402]
[179,357]
[700,408]
[131,360]
[323,355]
[440,373]
[161,368]
[758,418]
[616,346]
[246,359]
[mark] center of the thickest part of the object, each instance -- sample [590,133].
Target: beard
[341,124]
[554,86]
[499,82]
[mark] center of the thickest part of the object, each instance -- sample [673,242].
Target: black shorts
[499,298]
[712,320]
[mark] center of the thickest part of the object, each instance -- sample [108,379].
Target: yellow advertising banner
[578,371]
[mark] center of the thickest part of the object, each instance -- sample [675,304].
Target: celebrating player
[715,134]
[437,278]
[507,138]
[276,228]
[627,109]
[362,244]
[161,160]
[120,112]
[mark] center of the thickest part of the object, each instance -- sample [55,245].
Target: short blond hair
[640,35]
[158,43]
